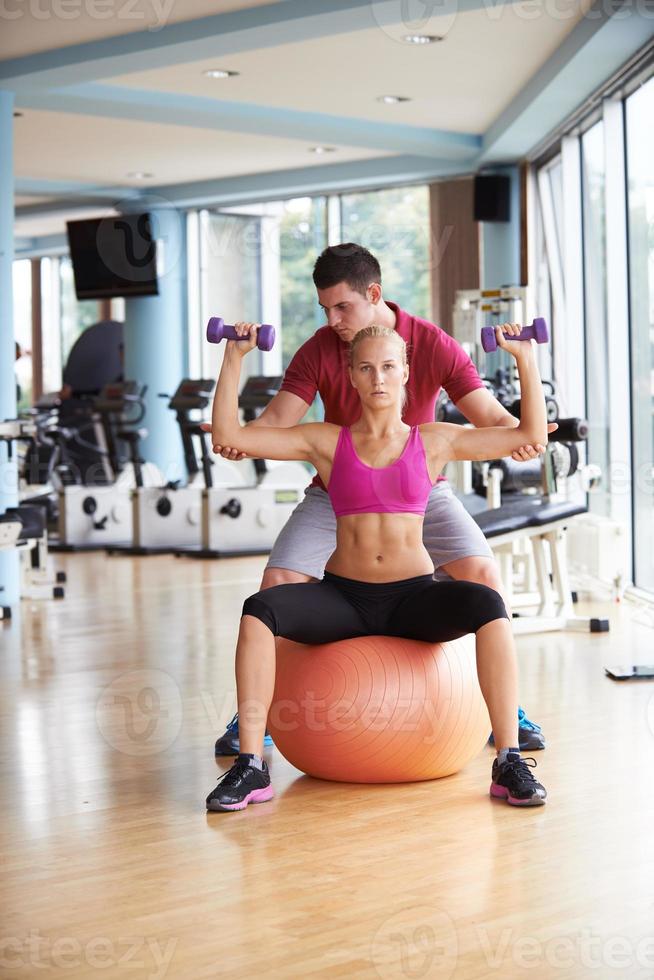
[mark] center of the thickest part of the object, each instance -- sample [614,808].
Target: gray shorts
[309,536]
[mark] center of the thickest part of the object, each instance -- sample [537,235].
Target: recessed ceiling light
[392,99]
[139,175]
[421,38]
[322,149]
[219,73]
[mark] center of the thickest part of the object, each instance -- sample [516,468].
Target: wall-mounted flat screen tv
[114,256]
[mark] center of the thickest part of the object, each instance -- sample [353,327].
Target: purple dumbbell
[218,330]
[535,331]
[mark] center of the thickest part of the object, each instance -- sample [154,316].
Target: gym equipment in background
[535,331]
[547,475]
[24,528]
[247,519]
[96,358]
[473,308]
[168,517]
[94,516]
[524,510]
[218,330]
[378,709]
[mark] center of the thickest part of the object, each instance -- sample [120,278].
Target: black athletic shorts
[338,608]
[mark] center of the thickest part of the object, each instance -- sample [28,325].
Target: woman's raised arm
[450,441]
[302,442]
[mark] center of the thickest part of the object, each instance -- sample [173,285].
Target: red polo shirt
[436,361]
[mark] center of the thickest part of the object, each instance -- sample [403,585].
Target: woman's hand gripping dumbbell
[218,330]
[247,337]
[535,331]
[506,334]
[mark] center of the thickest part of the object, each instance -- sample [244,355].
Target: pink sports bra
[401,488]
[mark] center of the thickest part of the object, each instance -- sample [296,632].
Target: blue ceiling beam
[273,185]
[61,189]
[29,248]
[327,179]
[598,45]
[170,108]
[253,188]
[216,37]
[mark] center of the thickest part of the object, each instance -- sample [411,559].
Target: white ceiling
[23,199]
[55,222]
[461,83]
[87,20]
[100,151]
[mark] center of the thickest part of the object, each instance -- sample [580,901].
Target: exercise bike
[246,520]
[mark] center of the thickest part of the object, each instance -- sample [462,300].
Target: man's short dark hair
[348,262]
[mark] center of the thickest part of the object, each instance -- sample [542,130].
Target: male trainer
[348,281]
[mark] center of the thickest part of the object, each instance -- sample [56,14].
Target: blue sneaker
[530,736]
[228,744]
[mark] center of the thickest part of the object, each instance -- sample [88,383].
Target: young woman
[378,474]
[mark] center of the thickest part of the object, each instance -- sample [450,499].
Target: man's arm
[282,411]
[483,410]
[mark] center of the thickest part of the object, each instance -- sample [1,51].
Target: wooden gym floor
[111,701]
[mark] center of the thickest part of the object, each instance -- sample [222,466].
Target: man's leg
[460,551]
[299,555]
[476,568]
[282,576]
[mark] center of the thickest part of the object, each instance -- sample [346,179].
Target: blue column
[155,341]
[9,568]
[501,266]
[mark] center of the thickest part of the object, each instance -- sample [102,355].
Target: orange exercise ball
[378,709]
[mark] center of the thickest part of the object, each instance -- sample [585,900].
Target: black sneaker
[228,744]
[514,782]
[240,785]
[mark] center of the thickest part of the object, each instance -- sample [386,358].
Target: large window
[259,257]
[597,382]
[549,293]
[22,291]
[63,319]
[230,259]
[394,225]
[640,182]
[595,255]
[302,237]
[76,315]
[256,263]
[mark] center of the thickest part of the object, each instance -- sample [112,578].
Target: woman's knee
[258,607]
[485,605]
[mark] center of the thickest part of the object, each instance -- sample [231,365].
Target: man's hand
[532,452]
[223,451]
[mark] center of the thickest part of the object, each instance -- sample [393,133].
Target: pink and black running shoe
[240,785]
[514,782]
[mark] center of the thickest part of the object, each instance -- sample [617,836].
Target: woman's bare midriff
[379,548]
